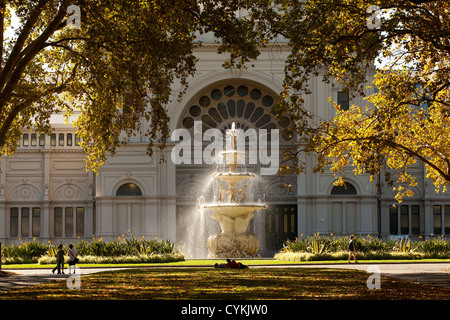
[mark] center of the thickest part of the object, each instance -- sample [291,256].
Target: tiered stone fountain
[232,209]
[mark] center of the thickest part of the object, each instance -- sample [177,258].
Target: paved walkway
[31,277]
[436,274]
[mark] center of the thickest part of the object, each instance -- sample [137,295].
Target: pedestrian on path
[59,260]
[351,250]
[72,253]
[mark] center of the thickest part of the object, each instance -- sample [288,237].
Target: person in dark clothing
[59,260]
[232,264]
[220,265]
[351,250]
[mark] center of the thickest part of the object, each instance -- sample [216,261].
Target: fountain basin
[233,210]
[233,177]
[234,241]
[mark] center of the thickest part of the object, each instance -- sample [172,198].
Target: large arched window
[246,105]
[346,189]
[129,190]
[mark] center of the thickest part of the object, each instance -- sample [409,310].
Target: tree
[113,61]
[118,68]
[406,119]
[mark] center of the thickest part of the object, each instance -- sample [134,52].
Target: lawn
[224,284]
[211,262]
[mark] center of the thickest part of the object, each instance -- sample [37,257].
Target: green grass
[211,262]
[227,284]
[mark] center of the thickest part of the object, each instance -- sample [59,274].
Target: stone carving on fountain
[232,209]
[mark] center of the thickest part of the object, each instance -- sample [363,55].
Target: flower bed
[138,258]
[122,250]
[319,248]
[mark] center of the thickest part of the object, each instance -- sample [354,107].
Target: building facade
[47,194]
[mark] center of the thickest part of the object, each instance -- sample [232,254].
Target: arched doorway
[343,209]
[129,208]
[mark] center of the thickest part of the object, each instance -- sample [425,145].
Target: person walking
[351,250]
[59,260]
[72,253]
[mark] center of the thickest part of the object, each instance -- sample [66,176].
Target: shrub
[25,251]
[31,252]
[343,255]
[435,245]
[320,247]
[123,246]
[140,258]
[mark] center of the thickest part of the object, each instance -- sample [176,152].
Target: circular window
[255,94]
[242,91]
[188,122]
[267,101]
[216,94]
[228,91]
[195,111]
[204,101]
[284,121]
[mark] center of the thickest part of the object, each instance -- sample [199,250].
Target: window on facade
[53,139]
[61,140]
[80,222]
[25,222]
[77,140]
[129,189]
[42,140]
[33,140]
[14,222]
[404,220]
[447,219]
[437,220]
[57,221]
[25,219]
[72,221]
[415,219]
[36,222]
[25,140]
[69,221]
[69,139]
[343,100]
[393,220]
[346,189]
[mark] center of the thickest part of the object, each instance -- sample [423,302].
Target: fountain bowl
[233,177]
[233,210]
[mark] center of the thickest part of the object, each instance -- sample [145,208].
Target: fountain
[232,209]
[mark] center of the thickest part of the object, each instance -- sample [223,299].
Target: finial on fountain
[233,134]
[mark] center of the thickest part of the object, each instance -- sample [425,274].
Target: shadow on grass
[225,284]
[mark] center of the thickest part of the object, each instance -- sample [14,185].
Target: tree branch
[29,53]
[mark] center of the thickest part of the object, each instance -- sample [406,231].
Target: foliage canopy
[118,67]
